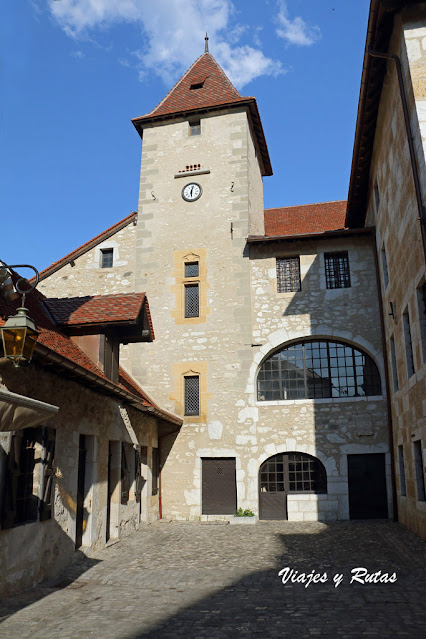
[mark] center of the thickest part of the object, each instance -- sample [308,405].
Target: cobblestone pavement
[198,580]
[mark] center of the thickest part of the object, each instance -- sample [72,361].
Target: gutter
[366,230]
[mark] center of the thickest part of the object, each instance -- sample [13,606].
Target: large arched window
[316,369]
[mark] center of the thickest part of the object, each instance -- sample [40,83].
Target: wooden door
[272,487]
[219,486]
[367,486]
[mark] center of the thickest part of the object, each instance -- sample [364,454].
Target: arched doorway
[288,473]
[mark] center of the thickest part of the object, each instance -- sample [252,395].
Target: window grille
[337,270]
[191,300]
[317,369]
[107,258]
[293,472]
[191,269]
[288,274]
[195,127]
[192,395]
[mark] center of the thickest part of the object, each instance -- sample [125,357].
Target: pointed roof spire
[206,47]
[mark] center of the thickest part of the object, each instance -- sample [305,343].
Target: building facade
[260,347]
[388,190]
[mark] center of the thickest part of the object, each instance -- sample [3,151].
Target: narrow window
[420,475]
[288,274]
[377,196]
[337,270]
[394,366]
[408,344]
[107,258]
[195,127]
[402,471]
[421,305]
[191,269]
[192,295]
[385,268]
[192,395]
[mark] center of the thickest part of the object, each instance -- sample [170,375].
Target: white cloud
[295,31]
[173,33]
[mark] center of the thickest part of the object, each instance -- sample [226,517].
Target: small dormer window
[197,85]
[107,258]
[195,127]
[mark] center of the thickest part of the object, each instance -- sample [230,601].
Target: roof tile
[305,219]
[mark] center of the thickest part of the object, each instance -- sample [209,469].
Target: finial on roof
[206,48]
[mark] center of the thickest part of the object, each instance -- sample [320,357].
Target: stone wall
[34,551]
[393,208]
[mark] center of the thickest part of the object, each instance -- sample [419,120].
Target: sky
[74,72]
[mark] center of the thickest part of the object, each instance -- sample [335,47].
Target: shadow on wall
[260,605]
[33,553]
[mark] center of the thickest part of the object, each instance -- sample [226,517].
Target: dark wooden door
[79,524]
[367,486]
[272,487]
[219,486]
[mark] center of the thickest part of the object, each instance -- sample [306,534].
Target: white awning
[18,411]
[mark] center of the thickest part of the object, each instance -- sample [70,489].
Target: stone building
[262,349]
[79,439]
[387,190]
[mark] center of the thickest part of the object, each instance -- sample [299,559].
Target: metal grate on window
[288,274]
[317,369]
[191,269]
[107,258]
[192,395]
[337,270]
[191,300]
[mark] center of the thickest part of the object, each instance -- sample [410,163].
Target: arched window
[293,473]
[317,369]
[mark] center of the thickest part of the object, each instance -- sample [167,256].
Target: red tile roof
[51,340]
[87,246]
[96,309]
[305,219]
[216,91]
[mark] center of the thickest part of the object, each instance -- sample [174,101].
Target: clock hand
[192,188]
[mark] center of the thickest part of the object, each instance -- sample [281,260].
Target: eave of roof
[256,239]
[379,31]
[87,246]
[255,122]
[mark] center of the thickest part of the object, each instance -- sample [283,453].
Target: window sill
[322,400]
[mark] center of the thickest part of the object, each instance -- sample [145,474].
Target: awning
[18,411]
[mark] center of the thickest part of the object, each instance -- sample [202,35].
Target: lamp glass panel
[30,342]
[13,341]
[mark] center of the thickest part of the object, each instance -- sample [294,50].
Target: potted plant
[246,516]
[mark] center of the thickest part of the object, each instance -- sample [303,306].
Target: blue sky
[74,72]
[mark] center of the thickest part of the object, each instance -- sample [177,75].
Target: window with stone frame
[420,472]
[27,482]
[408,344]
[337,270]
[195,127]
[288,274]
[107,258]
[192,289]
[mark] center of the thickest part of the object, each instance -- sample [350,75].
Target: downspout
[388,397]
[414,168]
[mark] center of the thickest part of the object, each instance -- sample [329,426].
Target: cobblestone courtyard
[212,580]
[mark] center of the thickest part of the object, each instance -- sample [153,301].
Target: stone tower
[201,194]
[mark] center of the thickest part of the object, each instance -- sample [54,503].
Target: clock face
[191,192]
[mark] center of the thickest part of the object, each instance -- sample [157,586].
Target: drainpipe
[387,384]
[414,168]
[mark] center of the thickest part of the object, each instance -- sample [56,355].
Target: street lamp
[19,334]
